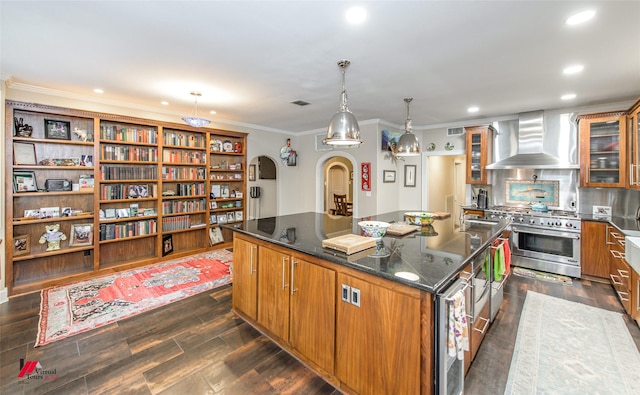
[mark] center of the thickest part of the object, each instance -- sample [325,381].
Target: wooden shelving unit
[149,179]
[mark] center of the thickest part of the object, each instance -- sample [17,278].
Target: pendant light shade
[408,144]
[343,128]
[194,120]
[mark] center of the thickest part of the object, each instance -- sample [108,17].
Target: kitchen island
[365,322]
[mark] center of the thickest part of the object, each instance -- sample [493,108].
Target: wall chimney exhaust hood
[532,139]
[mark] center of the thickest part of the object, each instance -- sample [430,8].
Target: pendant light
[195,121]
[343,128]
[408,144]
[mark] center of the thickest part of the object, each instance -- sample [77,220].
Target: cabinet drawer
[478,330]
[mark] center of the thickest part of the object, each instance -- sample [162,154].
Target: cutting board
[400,229]
[349,244]
[441,215]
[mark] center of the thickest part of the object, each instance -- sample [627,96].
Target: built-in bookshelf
[123,191]
[227,183]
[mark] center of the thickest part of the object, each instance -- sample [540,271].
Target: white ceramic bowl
[375,229]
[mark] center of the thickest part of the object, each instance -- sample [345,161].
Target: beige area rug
[564,347]
[543,276]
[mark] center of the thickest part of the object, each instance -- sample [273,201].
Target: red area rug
[75,308]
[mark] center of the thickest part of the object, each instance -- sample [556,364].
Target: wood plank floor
[197,346]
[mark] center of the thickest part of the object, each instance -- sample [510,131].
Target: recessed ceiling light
[356,15]
[164,103]
[580,17]
[212,112]
[473,109]
[568,96]
[98,90]
[573,69]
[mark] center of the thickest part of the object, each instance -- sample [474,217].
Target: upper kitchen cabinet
[634,148]
[603,150]
[478,153]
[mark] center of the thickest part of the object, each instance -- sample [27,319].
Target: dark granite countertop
[627,225]
[435,253]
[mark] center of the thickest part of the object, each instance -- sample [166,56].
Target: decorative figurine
[21,128]
[52,236]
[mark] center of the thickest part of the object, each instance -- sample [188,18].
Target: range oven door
[553,245]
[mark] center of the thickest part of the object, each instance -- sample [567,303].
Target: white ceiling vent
[455,131]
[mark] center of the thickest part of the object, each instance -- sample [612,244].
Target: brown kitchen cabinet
[378,337]
[273,291]
[603,150]
[633,131]
[313,312]
[245,277]
[594,250]
[619,269]
[479,153]
[635,296]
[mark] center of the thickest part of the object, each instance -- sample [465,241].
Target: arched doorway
[336,177]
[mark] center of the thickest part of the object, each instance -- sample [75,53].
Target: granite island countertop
[435,254]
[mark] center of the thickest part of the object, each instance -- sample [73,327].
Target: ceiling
[251,59]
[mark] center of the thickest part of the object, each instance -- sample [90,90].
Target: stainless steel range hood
[538,143]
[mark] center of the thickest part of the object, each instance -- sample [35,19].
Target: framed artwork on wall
[365,171]
[410,175]
[388,176]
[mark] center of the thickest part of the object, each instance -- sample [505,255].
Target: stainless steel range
[546,241]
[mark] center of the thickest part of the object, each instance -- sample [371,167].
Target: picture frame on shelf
[239,216]
[25,181]
[215,236]
[57,130]
[49,212]
[24,153]
[109,213]
[410,175]
[31,213]
[213,219]
[65,212]
[231,217]
[252,172]
[388,176]
[167,244]
[21,245]
[81,235]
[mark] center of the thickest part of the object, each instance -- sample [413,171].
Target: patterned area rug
[564,347]
[543,276]
[75,308]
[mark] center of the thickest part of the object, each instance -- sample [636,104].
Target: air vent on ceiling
[455,131]
[300,103]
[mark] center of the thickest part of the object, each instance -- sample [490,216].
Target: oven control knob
[558,223]
[569,225]
[532,221]
[521,219]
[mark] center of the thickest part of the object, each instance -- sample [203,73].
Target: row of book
[128,134]
[127,191]
[128,229]
[125,152]
[176,223]
[183,206]
[182,156]
[183,173]
[192,189]
[114,172]
[184,139]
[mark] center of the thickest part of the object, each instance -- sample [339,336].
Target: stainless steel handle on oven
[631,174]
[284,270]
[576,237]
[502,282]
[486,324]
[252,254]
[464,287]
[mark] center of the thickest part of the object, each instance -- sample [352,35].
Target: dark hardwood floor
[197,346]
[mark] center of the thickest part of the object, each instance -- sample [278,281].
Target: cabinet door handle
[631,174]
[252,254]
[617,254]
[284,271]
[613,280]
[293,276]
[623,273]
[588,175]
[484,328]
[623,298]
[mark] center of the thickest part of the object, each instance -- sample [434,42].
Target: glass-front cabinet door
[478,153]
[603,150]
[634,147]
